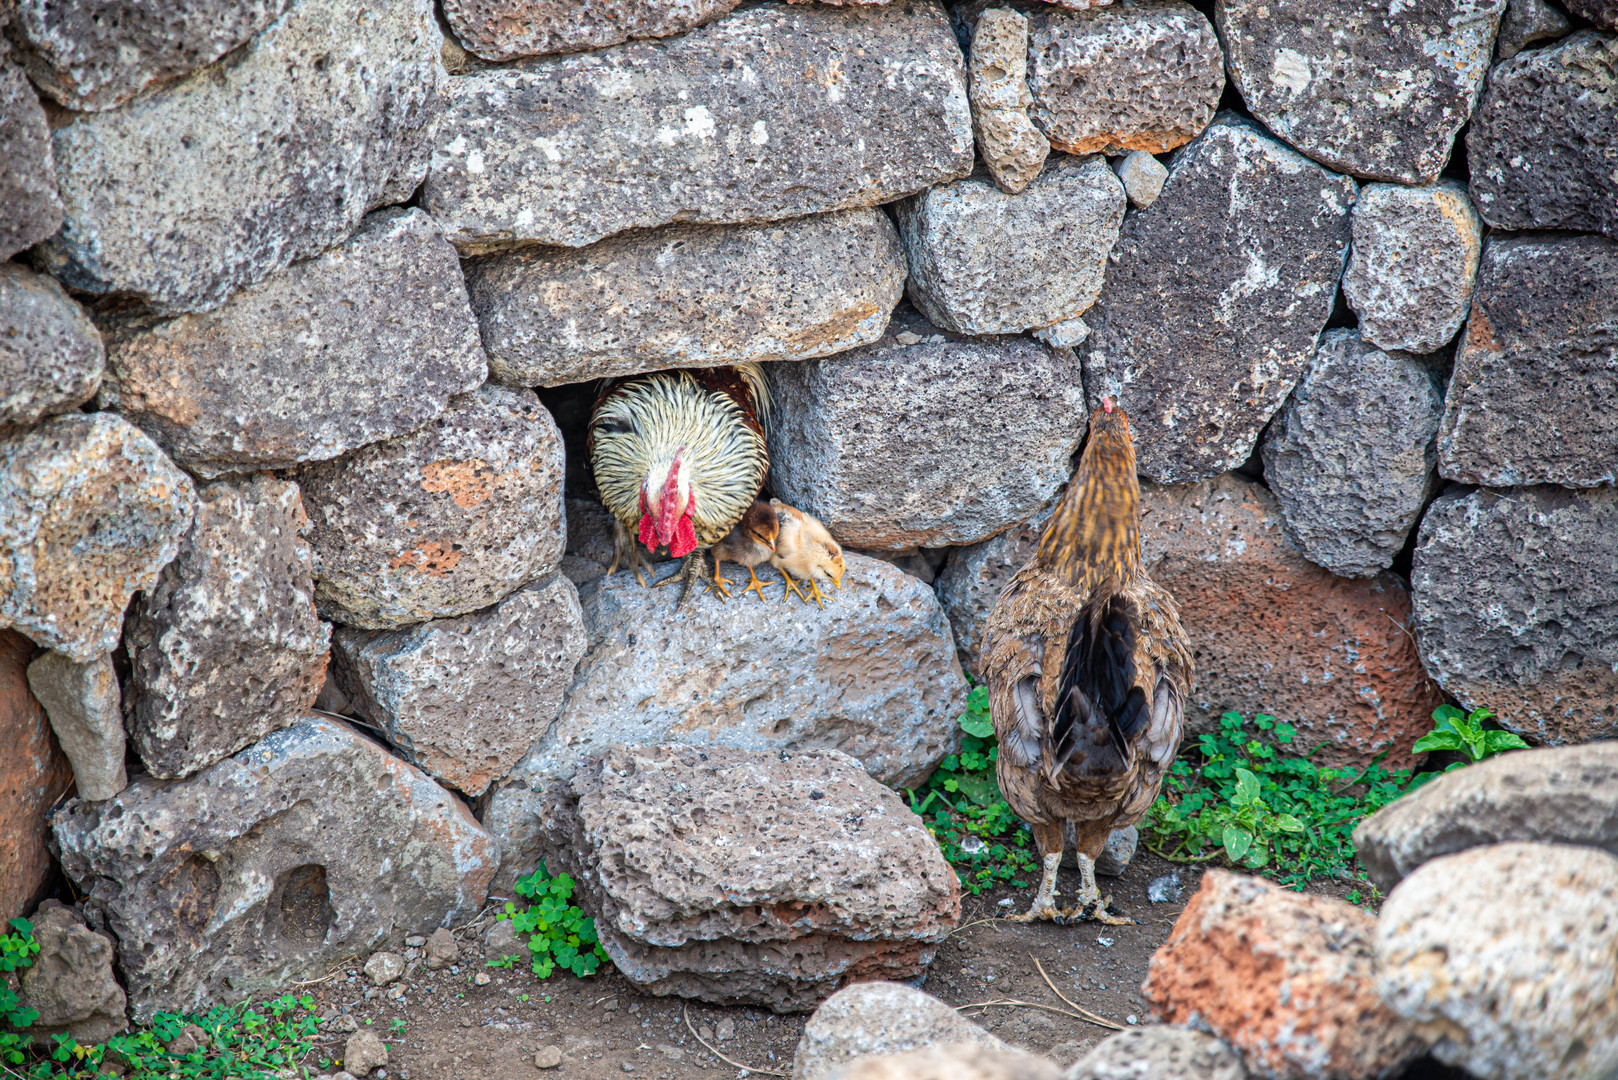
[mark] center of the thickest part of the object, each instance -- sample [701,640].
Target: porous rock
[97,55]
[1545,318]
[947,441]
[34,774]
[1528,21]
[51,356]
[215,182]
[1368,89]
[1143,177]
[590,543]
[1411,264]
[441,522]
[463,699]
[1159,1053]
[85,708]
[879,1018]
[744,876]
[70,981]
[93,510]
[717,126]
[1332,656]
[1350,457]
[27,165]
[1508,954]
[1562,795]
[1287,979]
[508,31]
[269,867]
[1515,612]
[985,262]
[972,579]
[1214,298]
[688,296]
[997,70]
[1126,76]
[1539,149]
[1604,13]
[952,1062]
[226,648]
[365,342]
[873,675]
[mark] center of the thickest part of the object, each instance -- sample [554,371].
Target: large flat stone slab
[1360,86]
[985,262]
[365,342]
[722,125]
[945,441]
[226,647]
[441,522]
[27,166]
[1214,297]
[507,30]
[51,355]
[310,846]
[873,675]
[1545,317]
[1515,610]
[1539,149]
[688,296]
[219,180]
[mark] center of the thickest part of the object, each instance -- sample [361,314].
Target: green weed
[1455,730]
[559,934]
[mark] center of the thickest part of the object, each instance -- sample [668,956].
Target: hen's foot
[1045,901]
[1092,906]
[1047,912]
[756,585]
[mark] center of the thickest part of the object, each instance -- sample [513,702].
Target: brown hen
[1088,670]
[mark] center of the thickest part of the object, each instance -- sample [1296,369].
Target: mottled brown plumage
[1087,669]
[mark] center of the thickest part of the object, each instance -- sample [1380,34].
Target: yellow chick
[804,548]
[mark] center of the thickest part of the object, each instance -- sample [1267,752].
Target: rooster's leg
[623,543]
[693,567]
[1048,839]
[756,585]
[1092,905]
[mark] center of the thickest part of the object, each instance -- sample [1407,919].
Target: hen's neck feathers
[1095,532]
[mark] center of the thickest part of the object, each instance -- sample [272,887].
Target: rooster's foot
[691,567]
[756,585]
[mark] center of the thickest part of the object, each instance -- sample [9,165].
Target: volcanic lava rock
[688,296]
[1214,298]
[1604,13]
[1143,177]
[312,845]
[69,982]
[34,774]
[717,126]
[953,1062]
[51,356]
[503,30]
[1539,149]
[997,69]
[742,876]
[971,580]
[1159,1053]
[365,342]
[1359,86]
[879,1018]
[1528,21]
[441,522]
[1515,606]
[27,166]
[85,708]
[215,182]
[1545,316]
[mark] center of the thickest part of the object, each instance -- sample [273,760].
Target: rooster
[679,457]
[1088,670]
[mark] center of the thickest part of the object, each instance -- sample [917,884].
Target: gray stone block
[971,581]
[688,296]
[945,441]
[366,342]
[1532,397]
[1604,13]
[51,356]
[90,511]
[717,126]
[1528,21]
[463,699]
[997,69]
[217,181]
[879,1018]
[27,166]
[1540,149]
[985,262]
[1143,177]
[1129,76]
[310,846]
[226,648]
[1350,456]
[85,708]
[1214,298]
[1362,87]
[1412,263]
[1515,611]
[506,30]
[1159,1052]
[441,522]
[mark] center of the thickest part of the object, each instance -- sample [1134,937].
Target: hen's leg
[1048,841]
[1092,905]
[756,585]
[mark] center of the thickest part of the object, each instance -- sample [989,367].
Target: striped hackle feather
[644,421]
[1095,532]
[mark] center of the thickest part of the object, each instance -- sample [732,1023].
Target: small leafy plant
[964,810]
[1455,730]
[559,934]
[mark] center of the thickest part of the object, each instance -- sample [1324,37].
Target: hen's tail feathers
[1099,706]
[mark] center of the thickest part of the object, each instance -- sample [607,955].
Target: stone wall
[304,297]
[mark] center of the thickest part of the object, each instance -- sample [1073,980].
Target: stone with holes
[70,981]
[503,30]
[51,356]
[309,846]
[972,579]
[27,166]
[953,1062]
[1604,13]
[1159,1053]
[1008,142]
[740,876]
[1528,21]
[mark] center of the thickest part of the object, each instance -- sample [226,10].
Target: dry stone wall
[304,303]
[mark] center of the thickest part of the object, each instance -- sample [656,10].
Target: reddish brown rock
[1274,633]
[1286,979]
[33,775]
